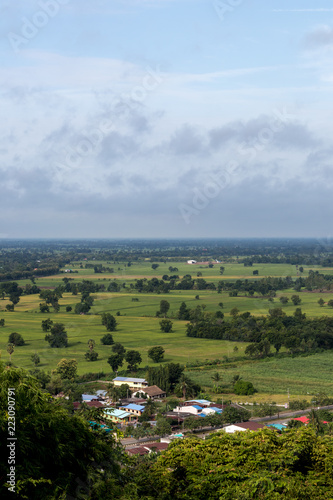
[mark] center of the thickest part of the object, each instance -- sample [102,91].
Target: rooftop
[132,406]
[130,379]
[112,412]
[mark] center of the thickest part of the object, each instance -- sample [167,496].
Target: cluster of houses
[131,408]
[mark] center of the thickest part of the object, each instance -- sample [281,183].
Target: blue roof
[89,397]
[217,410]
[200,401]
[197,407]
[133,406]
[202,415]
[280,427]
[130,379]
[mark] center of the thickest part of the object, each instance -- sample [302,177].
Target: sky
[166,118]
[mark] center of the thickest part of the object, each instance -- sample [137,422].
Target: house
[211,410]
[133,383]
[203,403]
[147,448]
[101,394]
[191,261]
[89,397]
[136,410]
[90,404]
[243,426]
[137,401]
[117,416]
[153,392]
[138,450]
[193,410]
[278,427]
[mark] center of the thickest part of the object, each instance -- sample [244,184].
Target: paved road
[290,414]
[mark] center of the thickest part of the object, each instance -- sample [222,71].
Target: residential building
[133,383]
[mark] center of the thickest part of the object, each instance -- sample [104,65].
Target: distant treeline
[296,333]
[19,275]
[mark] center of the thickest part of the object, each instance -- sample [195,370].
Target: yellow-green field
[138,328]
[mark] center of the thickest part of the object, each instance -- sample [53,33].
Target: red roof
[157,446]
[305,420]
[138,450]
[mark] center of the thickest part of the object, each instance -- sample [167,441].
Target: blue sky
[166,118]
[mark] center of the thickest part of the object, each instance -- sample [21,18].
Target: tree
[10,350]
[91,355]
[35,359]
[109,322]
[155,266]
[82,308]
[16,339]
[9,307]
[216,377]
[243,388]
[47,325]
[163,427]
[321,302]
[68,309]
[59,455]
[284,300]
[166,325]
[296,300]
[115,361]
[133,358]
[186,387]
[44,308]
[234,312]
[164,307]
[183,313]
[57,336]
[118,348]
[67,368]
[107,339]
[91,344]
[221,305]
[222,269]
[330,303]
[156,354]
[2,322]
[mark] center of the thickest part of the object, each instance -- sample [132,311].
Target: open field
[138,328]
[303,376]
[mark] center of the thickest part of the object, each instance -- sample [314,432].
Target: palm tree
[315,422]
[216,377]
[91,344]
[10,350]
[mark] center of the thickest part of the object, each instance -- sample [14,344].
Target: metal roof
[130,379]
[133,406]
[112,412]
[200,401]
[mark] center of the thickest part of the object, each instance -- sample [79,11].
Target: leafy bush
[16,339]
[243,388]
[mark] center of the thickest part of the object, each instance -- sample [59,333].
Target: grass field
[138,328]
[303,376]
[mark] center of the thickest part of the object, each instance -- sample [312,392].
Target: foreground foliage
[294,465]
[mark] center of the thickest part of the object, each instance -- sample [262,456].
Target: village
[124,416]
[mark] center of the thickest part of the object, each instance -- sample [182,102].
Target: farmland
[138,327]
